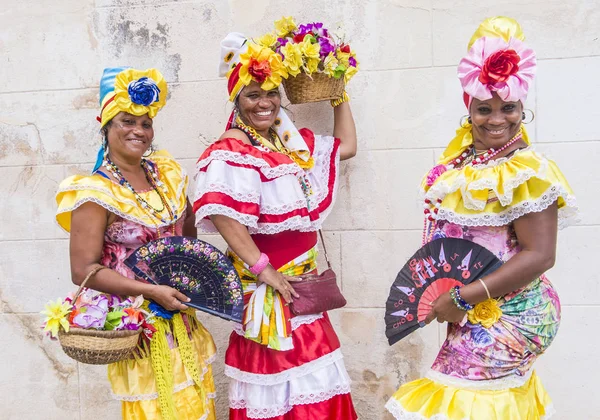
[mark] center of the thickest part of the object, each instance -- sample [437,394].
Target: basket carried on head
[318,87]
[97,347]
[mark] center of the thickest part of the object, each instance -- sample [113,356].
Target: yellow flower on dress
[267,40]
[285,25]
[292,58]
[486,313]
[56,316]
[331,64]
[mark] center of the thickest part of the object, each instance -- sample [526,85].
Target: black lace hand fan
[433,270]
[195,268]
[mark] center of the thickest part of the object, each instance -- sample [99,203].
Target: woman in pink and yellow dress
[130,199]
[491,187]
[267,187]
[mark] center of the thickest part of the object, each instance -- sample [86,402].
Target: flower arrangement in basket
[318,62]
[97,328]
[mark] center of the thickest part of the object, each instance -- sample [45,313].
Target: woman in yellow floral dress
[491,187]
[127,201]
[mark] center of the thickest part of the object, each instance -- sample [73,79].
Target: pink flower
[494,65]
[453,231]
[434,173]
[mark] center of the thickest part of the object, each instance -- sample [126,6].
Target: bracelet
[260,265]
[487,291]
[458,300]
[341,100]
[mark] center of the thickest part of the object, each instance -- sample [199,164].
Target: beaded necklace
[157,185]
[469,156]
[277,146]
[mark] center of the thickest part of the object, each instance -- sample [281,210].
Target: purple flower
[315,28]
[352,61]
[143,91]
[92,315]
[326,46]
[481,337]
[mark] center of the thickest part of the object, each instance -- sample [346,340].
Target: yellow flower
[267,40]
[56,316]
[486,313]
[350,72]
[331,64]
[312,65]
[309,49]
[343,58]
[285,25]
[292,58]
[262,55]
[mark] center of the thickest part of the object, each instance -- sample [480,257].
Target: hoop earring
[525,116]
[468,120]
[150,150]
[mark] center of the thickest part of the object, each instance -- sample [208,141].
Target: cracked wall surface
[407,103]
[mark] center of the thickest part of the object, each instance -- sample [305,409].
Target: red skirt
[308,382]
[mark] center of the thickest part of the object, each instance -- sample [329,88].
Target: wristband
[341,100]
[260,265]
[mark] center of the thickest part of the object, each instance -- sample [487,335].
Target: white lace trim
[324,156]
[260,413]
[400,413]
[212,209]
[300,320]
[116,211]
[567,215]
[236,157]
[513,381]
[282,209]
[300,399]
[176,388]
[236,195]
[286,375]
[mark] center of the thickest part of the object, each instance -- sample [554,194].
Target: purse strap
[324,249]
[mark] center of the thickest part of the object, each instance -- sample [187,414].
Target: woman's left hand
[444,310]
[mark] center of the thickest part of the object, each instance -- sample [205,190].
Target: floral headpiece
[137,92]
[498,61]
[243,60]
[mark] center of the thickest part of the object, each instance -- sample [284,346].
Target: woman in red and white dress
[267,187]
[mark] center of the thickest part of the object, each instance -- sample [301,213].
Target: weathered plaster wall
[407,104]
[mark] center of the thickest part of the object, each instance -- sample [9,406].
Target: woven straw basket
[97,347]
[301,89]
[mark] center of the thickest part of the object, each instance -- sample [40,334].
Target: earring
[462,121]
[525,116]
[150,150]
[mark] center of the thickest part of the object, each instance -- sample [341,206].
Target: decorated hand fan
[195,268]
[432,271]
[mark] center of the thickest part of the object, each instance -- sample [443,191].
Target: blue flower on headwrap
[143,91]
[160,311]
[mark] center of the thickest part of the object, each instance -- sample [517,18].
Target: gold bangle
[487,291]
[341,100]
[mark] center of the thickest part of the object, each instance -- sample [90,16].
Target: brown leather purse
[318,292]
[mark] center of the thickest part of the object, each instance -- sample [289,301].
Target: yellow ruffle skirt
[133,382]
[426,399]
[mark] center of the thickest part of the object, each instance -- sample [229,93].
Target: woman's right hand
[279,282]
[169,298]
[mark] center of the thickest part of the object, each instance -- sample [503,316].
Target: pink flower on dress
[453,231]
[113,256]
[434,173]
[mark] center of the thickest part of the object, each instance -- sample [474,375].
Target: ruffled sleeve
[79,189]
[500,192]
[266,191]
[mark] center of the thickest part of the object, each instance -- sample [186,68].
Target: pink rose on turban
[499,67]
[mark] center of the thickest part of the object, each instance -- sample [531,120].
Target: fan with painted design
[433,270]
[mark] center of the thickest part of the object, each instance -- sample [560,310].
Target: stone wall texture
[407,103]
